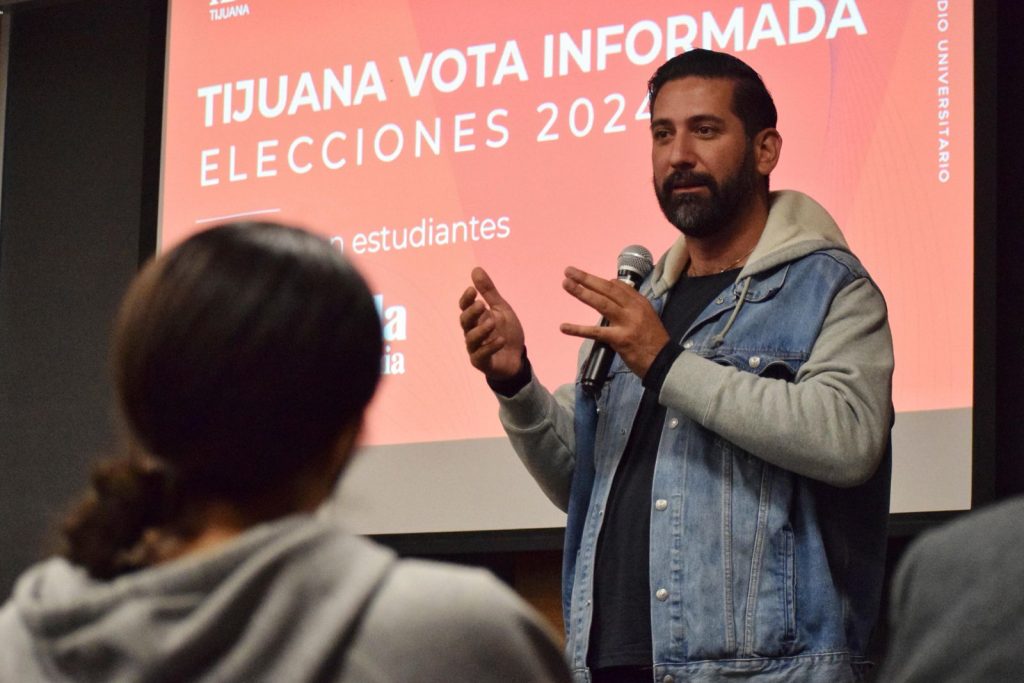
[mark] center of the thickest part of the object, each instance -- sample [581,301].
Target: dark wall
[1005,372]
[78,207]
[78,191]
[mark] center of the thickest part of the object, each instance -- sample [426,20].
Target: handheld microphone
[635,263]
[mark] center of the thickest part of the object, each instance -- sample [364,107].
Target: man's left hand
[634,330]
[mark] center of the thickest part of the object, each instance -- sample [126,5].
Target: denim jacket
[765,561]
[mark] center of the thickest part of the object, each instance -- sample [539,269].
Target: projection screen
[423,138]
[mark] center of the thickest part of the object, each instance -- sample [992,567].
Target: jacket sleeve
[831,423]
[539,425]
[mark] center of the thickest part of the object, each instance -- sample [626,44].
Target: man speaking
[727,488]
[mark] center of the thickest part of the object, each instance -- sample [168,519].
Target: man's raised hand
[634,330]
[494,336]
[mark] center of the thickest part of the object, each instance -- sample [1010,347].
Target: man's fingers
[594,332]
[599,301]
[609,288]
[598,293]
[486,287]
[472,315]
[479,325]
[479,335]
[482,344]
[467,298]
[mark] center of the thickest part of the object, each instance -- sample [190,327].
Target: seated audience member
[244,360]
[957,606]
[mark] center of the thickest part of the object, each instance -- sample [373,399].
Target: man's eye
[705,131]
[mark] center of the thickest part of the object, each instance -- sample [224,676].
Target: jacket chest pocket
[768,364]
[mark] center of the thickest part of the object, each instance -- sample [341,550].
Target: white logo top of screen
[227,9]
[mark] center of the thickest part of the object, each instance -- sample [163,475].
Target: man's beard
[698,215]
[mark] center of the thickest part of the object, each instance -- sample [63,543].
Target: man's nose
[681,154]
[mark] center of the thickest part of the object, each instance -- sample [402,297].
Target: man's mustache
[687,179]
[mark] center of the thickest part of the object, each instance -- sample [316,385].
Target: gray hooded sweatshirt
[845,384]
[294,600]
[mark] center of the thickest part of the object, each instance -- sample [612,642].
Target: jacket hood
[238,612]
[797,225]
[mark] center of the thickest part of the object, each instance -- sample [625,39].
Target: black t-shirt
[620,634]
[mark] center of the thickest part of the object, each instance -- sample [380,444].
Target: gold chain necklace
[718,272]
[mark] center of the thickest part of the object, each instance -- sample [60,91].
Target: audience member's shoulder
[471,598]
[445,622]
[455,587]
[955,604]
[985,529]
[981,542]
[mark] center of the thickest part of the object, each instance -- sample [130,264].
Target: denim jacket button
[661,504]
[754,361]
[673,423]
[688,344]
[668,679]
[661,594]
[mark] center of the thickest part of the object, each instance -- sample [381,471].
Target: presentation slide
[423,138]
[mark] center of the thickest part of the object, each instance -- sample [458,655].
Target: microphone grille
[636,259]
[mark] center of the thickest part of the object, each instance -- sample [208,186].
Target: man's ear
[767,148]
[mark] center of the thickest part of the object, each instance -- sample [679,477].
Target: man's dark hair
[751,101]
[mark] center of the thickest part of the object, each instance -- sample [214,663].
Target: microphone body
[634,264]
